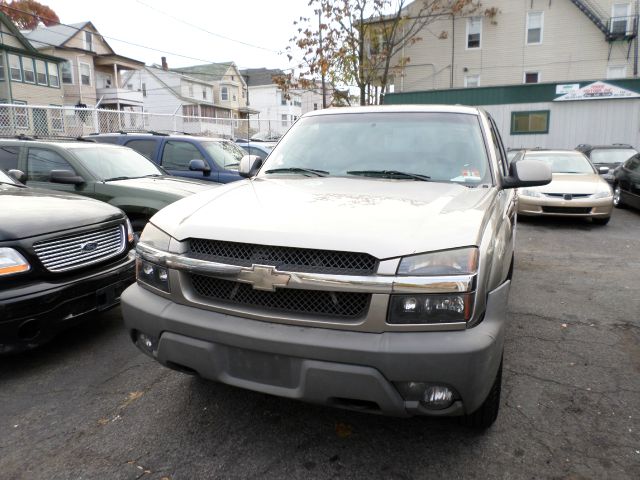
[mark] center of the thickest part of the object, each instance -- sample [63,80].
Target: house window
[617,71]
[472,80]
[85,74]
[21,114]
[67,72]
[224,94]
[529,122]
[88,41]
[285,122]
[283,100]
[14,68]
[41,72]
[474,32]
[204,93]
[54,78]
[620,18]
[535,22]
[28,70]
[1,67]
[315,106]
[144,89]
[532,77]
[190,89]
[207,111]
[57,122]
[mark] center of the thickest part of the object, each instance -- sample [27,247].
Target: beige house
[93,74]
[27,77]
[522,41]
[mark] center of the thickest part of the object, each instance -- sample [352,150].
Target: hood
[385,218]
[574,183]
[174,186]
[46,211]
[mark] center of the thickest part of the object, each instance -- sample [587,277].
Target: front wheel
[484,416]
[617,197]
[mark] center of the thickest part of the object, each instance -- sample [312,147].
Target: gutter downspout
[79,79]
[635,52]
[453,46]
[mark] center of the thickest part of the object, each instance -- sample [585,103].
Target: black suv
[607,156]
[61,256]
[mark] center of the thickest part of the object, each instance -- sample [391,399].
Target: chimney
[164,63]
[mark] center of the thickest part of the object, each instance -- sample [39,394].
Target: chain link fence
[71,122]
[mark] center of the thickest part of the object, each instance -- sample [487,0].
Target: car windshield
[564,162]
[225,154]
[110,163]
[446,147]
[611,155]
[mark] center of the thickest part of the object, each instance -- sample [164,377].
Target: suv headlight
[435,308]
[460,261]
[11,262]
[150,273]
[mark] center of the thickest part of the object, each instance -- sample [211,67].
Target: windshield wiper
[311,171]
[115,178]
[390,174]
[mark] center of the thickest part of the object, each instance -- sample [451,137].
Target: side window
[144,147]
[497,143]
[40,162]
[9,157]
[177,155]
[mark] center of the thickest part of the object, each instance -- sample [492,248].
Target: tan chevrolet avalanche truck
[365,264]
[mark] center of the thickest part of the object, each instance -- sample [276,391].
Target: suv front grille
[346,305]
[77,251]
[284,258]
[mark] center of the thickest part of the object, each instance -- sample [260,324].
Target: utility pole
[322,67]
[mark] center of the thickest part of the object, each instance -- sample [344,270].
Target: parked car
[117,175]
[373,275]
[626,186]
[202,158]
[260,149]
[577,190]
[606,158]
[62,256]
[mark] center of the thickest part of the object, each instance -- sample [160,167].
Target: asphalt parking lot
[89,406]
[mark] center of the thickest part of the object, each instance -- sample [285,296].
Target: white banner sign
[569,87]
[597,91]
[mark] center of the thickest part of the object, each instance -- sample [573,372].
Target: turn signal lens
[11,262]
[130,235]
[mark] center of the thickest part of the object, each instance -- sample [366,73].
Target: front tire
[484,416]
[617,197]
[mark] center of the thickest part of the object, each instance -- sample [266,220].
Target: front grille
[344,305]
[77,251]
[284,258]
[571,195]
[567,210]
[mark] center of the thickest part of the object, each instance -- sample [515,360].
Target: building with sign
[550,115]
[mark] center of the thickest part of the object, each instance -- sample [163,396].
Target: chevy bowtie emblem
[264,277]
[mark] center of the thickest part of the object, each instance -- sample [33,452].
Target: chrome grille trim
[63,254]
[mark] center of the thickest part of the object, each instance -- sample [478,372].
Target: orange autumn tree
[27,14]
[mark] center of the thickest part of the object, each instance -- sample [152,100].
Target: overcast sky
[265,25]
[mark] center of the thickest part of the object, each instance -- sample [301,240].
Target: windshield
[115,163]
[611,155]
[445,147]
[564,162]
[225,154]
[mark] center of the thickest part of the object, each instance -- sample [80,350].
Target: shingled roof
[260,76]
[210,72]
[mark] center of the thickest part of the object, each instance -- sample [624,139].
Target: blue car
[202,158]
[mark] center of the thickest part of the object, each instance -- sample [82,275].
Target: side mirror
[66,177]
[603,170]
[527,173]
[198,165]
[18,175]
[249,165]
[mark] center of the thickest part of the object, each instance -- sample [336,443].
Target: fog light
[146,343]
[437,397]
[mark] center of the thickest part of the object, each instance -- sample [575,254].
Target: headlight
[603,194]
[461,261]
[527,192]
[155,238]
[130,236]
[12,262]
[152,274]
[430,309]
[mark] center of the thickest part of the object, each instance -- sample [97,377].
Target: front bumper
[322,365]
[32,314]
[580,207]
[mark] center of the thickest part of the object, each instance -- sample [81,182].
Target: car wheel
[617,197]
[601,221]
[484,416]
